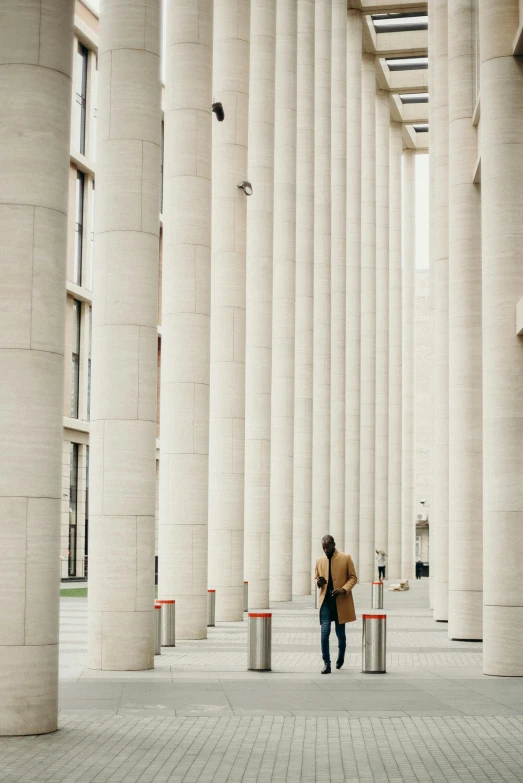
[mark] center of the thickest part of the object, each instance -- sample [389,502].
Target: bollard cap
[377,583]
[374,616]
[260,614]
[157,606]
[211,591]
[245,583]
[164,601]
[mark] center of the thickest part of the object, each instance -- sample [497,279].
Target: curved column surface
[258,325]
[35,72]
[408,519]
[353,288]
[368,320]
[322,278]
[502,239]
[440,505]
[382,320]
[338,268]
[186,290]
[395,353]
[432,212]
[227,394]
[465,382]
[284,294]
[122,495]
[302,465]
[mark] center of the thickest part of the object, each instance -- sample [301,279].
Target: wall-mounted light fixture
[246,187]
[218,110]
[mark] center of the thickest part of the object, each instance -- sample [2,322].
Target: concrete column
[395,353]
[258,325]
[186,290]
[338,268]
[302,483]
[368,320]
[35,89]
[465,382]
[353,289]
[502,239]
[382,320]
[440,518]
[125,339]
[227,394]
[284,294]
[432,242]
[408,519]
[322,278]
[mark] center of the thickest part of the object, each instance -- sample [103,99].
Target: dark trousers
[381,572]
[328,615]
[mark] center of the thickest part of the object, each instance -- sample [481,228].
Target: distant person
[419,569]
[381,559]
[335,577]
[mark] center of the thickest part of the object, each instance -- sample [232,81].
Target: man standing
[335,576]
[381,560]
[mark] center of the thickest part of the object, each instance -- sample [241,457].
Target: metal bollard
[260,641]
[157,629]
[245,596]
[211,608]
[168,623]
[374,645]
[377,595]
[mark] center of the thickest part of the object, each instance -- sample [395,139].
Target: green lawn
[81,592]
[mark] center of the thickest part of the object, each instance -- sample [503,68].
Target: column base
[28,690]
[466,615]
[503,641]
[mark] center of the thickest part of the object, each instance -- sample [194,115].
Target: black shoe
[340,662]
[326,669]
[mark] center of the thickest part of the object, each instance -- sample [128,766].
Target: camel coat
[343,575]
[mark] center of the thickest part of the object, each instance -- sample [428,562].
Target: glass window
[161,171]
[73,507]
[79,227]
[75,369]
[81,98]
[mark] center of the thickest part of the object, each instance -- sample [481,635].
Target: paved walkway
[200,717]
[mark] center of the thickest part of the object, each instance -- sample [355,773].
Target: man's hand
[321,581]
[339,591]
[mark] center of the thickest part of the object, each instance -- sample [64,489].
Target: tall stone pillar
[353,288]
[302,483]
[284,295]
[368,320]
[258,327]
[408,519]
[502,239]
[432,249]
[338,268]
[186,289]
[322,278]
[465,356]
[382,320]
[395,353]
[439,560]
[227,393]
[34,160]
[122,494]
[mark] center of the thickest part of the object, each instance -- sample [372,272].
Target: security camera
[246,187]
[218,110]
[423,502]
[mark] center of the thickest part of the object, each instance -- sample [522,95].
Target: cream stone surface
[302,464]
[366,569]
[322,278]
[393,547]
[227,391]
[408,518]
[186,287]
[338,268]
[502,288]
[258,326]
[353,288]
[440,504]
[465,381]
[382,321]
[35,92]
[125,318]
[284,296]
